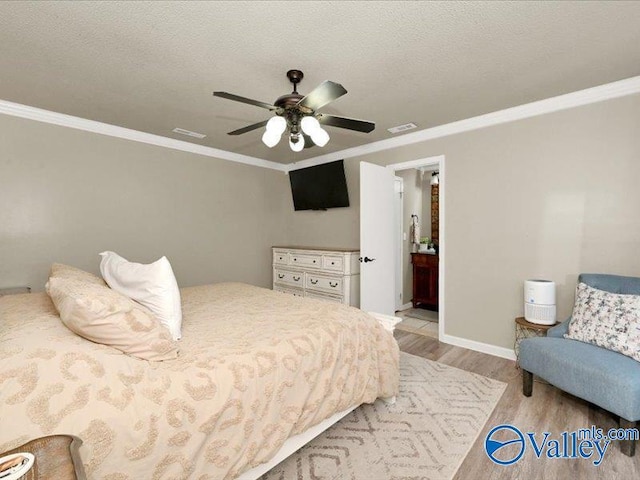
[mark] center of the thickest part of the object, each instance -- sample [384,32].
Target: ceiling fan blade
[248,128]
[348,123]
[238,98]
[324,93]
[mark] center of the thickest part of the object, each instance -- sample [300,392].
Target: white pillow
[153,285]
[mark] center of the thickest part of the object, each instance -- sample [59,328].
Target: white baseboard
[406,306]
[494,350]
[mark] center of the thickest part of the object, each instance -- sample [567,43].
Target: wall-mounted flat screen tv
[320,187]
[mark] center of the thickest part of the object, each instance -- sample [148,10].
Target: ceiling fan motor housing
[289,109]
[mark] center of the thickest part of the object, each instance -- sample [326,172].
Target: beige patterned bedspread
[255,367]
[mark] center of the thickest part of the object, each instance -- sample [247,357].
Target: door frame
[398,191]
[438,161]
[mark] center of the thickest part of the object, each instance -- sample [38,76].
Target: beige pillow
[59,270]
[105,316]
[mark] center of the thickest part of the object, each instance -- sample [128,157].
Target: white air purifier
[540,302]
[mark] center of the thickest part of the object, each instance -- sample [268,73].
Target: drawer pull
[314,261]
[313,282]
[295,279]
[333,263]
[280,258]
[295,259]
[332,284]
[280,276]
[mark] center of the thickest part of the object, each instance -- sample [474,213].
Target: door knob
[366,259]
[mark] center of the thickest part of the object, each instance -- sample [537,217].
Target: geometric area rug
[425,435]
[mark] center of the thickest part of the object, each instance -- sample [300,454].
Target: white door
[377,230]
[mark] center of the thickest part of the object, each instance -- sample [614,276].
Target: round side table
[526,329]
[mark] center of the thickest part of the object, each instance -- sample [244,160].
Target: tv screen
[320,187]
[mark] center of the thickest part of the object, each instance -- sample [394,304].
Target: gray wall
[550,196]
[67,195]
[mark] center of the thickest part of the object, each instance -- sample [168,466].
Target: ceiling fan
[299,115]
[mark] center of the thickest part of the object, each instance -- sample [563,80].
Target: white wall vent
[402,128]
[189,133]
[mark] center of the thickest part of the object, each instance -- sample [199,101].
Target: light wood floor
[549,409]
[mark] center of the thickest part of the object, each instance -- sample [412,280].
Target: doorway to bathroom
[418,244]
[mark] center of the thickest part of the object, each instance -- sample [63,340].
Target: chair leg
[628,447]
[527,383]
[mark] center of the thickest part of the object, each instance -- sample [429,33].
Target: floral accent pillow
[609,320]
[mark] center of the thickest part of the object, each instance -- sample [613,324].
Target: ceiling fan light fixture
[273,131]
[277,125]
[310,125]
[320,137]
[298,144]
[271,138]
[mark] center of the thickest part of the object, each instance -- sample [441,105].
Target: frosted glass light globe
[270,138]
[310,125]
[320,137]
[299,145]
[277,125]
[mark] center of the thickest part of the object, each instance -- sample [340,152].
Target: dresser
[425,280]
[315,272]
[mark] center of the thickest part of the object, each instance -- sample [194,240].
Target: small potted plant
[424,244]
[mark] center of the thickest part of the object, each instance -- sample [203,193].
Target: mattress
[255,367]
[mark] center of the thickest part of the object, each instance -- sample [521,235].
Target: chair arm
[559,330]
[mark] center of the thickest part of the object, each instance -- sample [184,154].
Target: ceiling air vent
[402,128]
[189,133]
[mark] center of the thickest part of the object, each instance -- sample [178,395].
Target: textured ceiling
[153,66]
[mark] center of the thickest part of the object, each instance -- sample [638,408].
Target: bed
[256,369]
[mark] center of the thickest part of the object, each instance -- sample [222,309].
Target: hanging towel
[415,230]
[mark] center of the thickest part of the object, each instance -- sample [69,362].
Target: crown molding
[61,119]
[587,96]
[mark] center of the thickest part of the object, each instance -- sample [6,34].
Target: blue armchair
[603,377]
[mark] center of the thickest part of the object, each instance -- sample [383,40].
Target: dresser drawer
[334,285]
[307,260]
[285,277]
[291,291]
[280,258]
[322,296]
[335,263]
